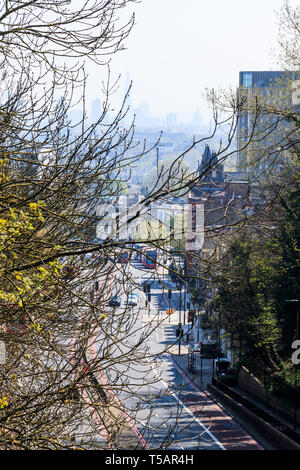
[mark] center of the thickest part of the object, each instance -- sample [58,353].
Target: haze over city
[174,53]
[150,246]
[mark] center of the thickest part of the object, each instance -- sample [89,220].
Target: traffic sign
[170,311]
[210,351]
[179,332]
[146,287]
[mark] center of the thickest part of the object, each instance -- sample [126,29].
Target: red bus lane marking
[86,397]
[103,431]
[115,398]
[75,336]
[219,422]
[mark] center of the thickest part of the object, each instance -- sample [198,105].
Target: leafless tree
[75,364]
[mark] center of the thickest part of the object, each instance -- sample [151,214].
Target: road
[155,394]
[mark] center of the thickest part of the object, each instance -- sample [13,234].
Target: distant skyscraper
[142,113]
[96,110]
[197,118]
[264,84]
[171,120]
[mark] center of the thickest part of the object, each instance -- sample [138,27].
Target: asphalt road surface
[156,395]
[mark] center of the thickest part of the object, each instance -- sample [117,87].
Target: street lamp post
[184,292]
[169,297]
[179,285]
[184,302]
[197,308]
[180,302]
[296,301]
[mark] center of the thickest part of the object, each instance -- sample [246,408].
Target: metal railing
[275,386]
[261,413]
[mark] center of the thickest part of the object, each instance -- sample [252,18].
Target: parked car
[114,301]
[132,300]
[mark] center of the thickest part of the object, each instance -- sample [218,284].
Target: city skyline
[170,71]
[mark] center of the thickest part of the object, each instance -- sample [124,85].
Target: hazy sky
[177,48]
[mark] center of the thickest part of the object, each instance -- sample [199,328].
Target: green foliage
[259,274]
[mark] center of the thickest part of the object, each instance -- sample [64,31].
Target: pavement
[220,422]
[227,429]
[231,434]
[201,376]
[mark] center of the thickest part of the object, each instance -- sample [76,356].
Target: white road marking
[183,405]
[199,422]
[191,413]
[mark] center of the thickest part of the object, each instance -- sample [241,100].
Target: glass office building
[271,86]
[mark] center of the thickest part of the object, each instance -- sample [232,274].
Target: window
[247,79]
[194,210]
